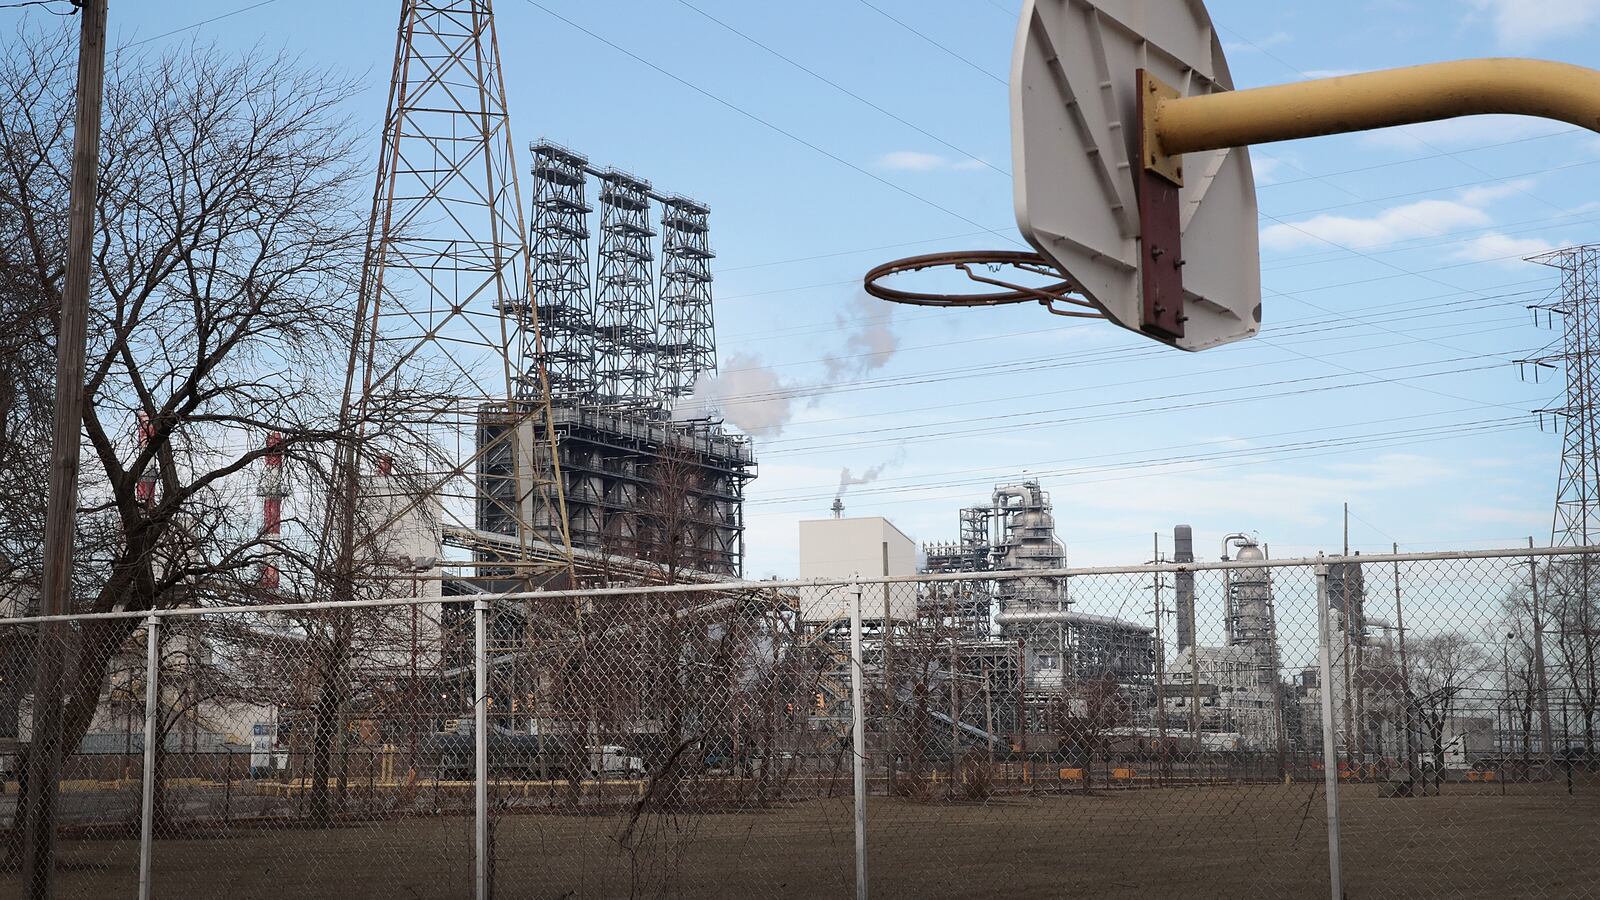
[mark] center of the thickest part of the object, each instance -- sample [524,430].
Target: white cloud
[1521,25]
[1503,248]
[1266,168]
[1423,218]
[917,161]
[1329,73]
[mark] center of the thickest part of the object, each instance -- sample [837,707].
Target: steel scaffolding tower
[443,299]
[625,305]
[1577,513]
[688,337]
[560,278]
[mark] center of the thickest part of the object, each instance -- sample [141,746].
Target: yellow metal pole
[1406,96]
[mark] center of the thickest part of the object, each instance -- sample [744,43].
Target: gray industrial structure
[1236,701]
[618,345]
[1023,630]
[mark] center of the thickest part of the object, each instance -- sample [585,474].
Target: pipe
[1330,750]
[480,748]
[1383,99]
[858,728]
[1055,616]
[147,806]
[1227,587]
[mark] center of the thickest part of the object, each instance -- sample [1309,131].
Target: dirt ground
[1247,841]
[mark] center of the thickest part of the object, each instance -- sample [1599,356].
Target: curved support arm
[1405,96]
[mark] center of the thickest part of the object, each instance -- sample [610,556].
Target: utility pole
[1161,651]
[1538,654]
[891,694]
[1405,677]
[44,756]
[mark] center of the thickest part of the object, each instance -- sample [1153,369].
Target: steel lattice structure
[560,247]
[625,305]
[1577,512]
[688,335]
[447,331]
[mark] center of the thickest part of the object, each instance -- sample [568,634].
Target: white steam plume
[847,479]
[753,397]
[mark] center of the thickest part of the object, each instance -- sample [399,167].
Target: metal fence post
[858,721]
[480,737]
[147,794]
[1330,750]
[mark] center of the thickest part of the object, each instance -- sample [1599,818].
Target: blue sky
[1395,291]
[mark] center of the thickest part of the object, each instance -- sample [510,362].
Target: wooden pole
[44,756]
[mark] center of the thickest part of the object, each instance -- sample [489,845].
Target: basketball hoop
[965,260]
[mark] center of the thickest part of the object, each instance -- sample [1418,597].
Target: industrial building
[854,547]
[1015,637]
[1236,701]
[618,345]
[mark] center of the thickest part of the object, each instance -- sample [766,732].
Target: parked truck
[611,759]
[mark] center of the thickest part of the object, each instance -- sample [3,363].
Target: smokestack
[1183,552]
[272,492]
[838,508]
[145,489]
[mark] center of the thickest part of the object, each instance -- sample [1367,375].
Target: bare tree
[1443,667]
[1571,587]
[221,287]
[1093,707]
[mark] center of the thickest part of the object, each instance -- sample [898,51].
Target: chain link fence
[1405,725]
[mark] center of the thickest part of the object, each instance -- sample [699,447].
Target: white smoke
[753,397]
[870,340]
[848,479]
[746,393]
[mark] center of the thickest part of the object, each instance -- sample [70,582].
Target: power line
[846,91]
[941,47]
[1120,412]
[1122,462]
[1042,466]
[199,24]
[1512,424]
[43,3]
[1410,309]
[991,401]
[769,124]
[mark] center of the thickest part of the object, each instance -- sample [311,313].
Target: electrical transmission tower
[1577,513]
[445,369]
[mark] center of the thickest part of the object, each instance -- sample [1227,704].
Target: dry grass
[1260,840]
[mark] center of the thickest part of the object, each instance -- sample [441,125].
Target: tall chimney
[145,489]
[272,492]
[1183,552]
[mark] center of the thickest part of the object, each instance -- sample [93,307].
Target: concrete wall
[845,548]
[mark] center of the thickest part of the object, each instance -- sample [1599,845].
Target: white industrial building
[844,548]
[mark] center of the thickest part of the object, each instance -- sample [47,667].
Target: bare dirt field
[1246,841]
